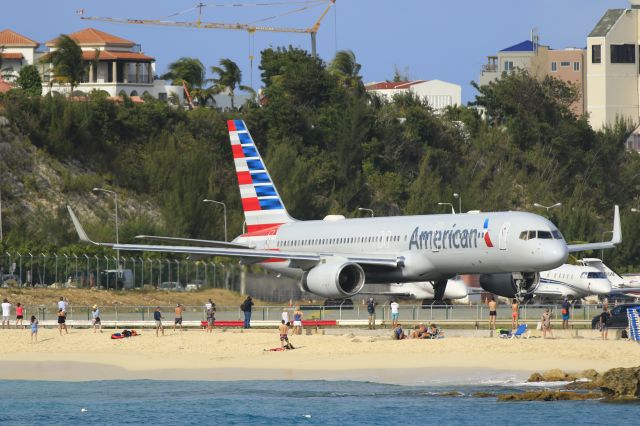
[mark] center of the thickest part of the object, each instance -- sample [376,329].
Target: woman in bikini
[514,314]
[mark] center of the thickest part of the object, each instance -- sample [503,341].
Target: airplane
[621,289]
[573,282]
[334,257]
[425,290]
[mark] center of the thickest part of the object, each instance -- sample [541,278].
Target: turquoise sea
[287,403]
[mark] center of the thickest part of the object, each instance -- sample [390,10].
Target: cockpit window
[596,275]
[524,235]
[545,235]
[532,235]
[557,235]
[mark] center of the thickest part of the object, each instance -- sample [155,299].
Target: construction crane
[312,31]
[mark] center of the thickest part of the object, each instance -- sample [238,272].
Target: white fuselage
[429,247]
[573,282]
[456,289]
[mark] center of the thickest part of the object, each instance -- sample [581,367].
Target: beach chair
[634,323]
[521,332]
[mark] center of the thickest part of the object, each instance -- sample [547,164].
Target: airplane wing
[201,243]
[616,238]
[302,259]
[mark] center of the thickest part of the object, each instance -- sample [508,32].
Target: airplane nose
[601,287]
[556,254]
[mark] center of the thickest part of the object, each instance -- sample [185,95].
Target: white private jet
[573,282]
[455,289]
[621,288]
[334,257]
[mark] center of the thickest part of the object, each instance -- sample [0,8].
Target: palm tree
[229,78]
[191,72]
[67,60]
[344,65]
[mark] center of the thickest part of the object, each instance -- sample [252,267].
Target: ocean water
[287,403]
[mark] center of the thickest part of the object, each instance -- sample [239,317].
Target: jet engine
[334,280]
[507,285]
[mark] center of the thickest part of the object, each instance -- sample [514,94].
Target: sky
[430,39]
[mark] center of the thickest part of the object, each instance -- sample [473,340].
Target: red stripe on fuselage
[487,239]
[237,151]
[231,125]
[250,204]
[244,178]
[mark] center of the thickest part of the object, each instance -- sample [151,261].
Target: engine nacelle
[506,284]
[334,280]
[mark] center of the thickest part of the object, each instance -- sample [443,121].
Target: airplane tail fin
[263,208]
[79,229]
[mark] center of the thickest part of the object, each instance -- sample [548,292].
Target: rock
[621,383]
[554,375]
[454,394]
[550,395]
[583,385]
[590,374]
[535,377]
[483,395]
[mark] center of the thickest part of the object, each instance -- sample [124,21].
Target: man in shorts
[157,316]
[565,313]
[210,309]
[283,329]
[6,313]
[493,312]
[97,323]
[371,310]
[178,318]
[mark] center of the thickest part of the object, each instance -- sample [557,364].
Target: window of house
[554,66]
[565,64]
[576,66]
[623,54]
[508,66]
[596,54]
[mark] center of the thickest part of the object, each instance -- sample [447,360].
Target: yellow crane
[312,31]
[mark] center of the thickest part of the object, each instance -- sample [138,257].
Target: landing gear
[439,288]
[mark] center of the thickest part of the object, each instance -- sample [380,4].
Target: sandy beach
[237,355]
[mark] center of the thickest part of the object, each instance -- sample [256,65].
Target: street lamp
[115,197]
[547,207]
[450,205]
[224,206]
[362,209]
[459,197]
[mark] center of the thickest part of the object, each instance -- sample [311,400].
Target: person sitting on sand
[157,316]
[283,330]
[62,321]
[419,332]
[97,323]
[178,318]
[398,332]
[34,329]
[434,332]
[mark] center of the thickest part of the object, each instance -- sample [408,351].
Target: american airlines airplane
[334,257]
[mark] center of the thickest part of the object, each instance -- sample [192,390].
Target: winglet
[616,237]
[79,229]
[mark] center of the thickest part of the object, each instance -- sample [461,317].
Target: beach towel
[124,334]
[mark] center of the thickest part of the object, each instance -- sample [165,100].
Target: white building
[439,94]
[113,65]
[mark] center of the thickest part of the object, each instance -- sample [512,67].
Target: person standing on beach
[565,313]
[178,318]
[19,314]
[493,312]
[246,308]
[604,317]
[371,310]
[6,313]
[285,315]
[395,313]
[514,313]
[62,321]
[62,304]
[34,329]
[210,309]
[157,316]
[97,323]
[297,320]
[546,323]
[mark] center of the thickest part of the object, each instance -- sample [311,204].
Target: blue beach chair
[634,324]
[521,332]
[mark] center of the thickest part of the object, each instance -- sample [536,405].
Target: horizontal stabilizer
[616,238]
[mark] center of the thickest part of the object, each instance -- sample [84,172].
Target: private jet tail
[262,205]
[616,238]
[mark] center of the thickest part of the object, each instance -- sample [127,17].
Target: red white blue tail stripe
[262,205]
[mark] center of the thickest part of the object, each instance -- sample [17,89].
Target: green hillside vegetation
[331,148]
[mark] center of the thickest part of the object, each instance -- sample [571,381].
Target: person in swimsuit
[210,309]
[19,314]
[283,329]
[34,329]
[493,312]
[178,319]
[297,321]
[514,313]
[97,323]
[546,323]
[62,319]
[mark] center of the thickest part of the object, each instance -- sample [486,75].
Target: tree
[229,78]
[191,72]
[29,80]
[67,60]
[345,67]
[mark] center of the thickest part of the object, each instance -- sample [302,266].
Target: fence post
[116,306]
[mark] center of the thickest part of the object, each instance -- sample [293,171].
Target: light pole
[31,269]
[224,207]
[547,207]
[362,209]
[106,269]
[459,197]
[453,211]
[115,197]
[141,272]
[87,280]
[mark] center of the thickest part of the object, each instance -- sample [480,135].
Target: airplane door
[504,231]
